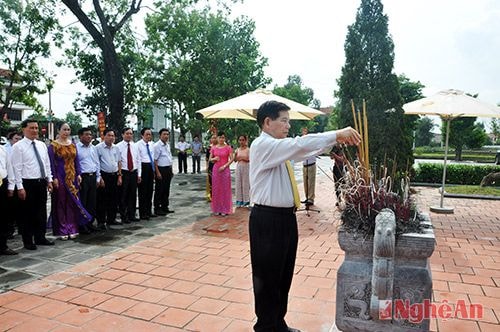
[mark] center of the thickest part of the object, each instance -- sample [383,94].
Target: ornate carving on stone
[384,243]
[356,301]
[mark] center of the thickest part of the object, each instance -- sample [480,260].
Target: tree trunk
[113,79]
[458,153]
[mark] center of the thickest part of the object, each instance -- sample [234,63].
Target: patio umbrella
[245,107]
[450,104]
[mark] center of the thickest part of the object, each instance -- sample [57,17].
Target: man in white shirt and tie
[164,173]
[145,149]
[131,172]
[273,224]
[32,177]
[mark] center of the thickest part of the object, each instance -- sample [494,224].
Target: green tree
[495,130]
[103,23]
[410,91]
[74,121]
[25,31]
[478,137]
[198,58]
[367,74]
[294,90]
[423,134]
[460,131]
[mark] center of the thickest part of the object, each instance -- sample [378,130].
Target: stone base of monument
[409,280]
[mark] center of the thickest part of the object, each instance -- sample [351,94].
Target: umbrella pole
[441,208]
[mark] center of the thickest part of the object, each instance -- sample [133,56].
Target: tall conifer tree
[367,74]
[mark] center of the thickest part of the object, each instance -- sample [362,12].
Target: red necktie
[130,161]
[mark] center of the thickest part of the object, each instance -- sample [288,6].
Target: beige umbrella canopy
[245,107]
[450,104]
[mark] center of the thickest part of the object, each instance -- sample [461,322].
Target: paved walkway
[196,277]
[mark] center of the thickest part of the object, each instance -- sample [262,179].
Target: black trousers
[88,193]
[146,190]
[273,248]
[107,198]
[33,211]
[4,206]
[196,163]
[128,195]
[11,213]
[182,160]
[162,188]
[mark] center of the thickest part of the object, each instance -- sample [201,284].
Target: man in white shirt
[196,151]
[108,194]
[145,149]
[182,148]
[4,205]
[273,224]
[32,177]
[131,172]
[12,217]
[164,173]
[90,173]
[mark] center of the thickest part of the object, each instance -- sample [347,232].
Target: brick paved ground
[197,277]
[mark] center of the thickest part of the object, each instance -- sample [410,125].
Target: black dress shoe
[160,213]
[30,246]
[169,211]
[8,252]
[102,227]
[114,222]
[153,215]
[44,242]
[144,217]
[84,230]
[291,329]
[126,221]
[134,219]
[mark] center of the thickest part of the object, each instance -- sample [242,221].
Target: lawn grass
[474,190]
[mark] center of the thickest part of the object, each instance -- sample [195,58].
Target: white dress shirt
[269,180]
[4,163]
[162,154]
[122,146]
[25,164]
[182,146]
[108,156]
[89,161]
[143,151]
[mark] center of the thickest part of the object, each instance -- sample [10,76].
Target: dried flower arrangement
[364,192]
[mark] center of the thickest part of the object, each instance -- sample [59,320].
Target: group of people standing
[86,182]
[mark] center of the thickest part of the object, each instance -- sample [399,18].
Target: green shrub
[455,173]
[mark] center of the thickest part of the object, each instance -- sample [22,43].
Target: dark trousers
[107,201]
[88,193]
[11,213]
[273,248]
[4,206]
[196,163]
[162,188]
[146,190]
[33,211]
[182,159]
[128,195]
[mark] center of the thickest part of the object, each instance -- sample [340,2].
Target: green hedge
[455,173]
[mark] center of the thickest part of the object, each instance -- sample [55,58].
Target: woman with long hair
[67,212]
[242,178]
[222,156]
